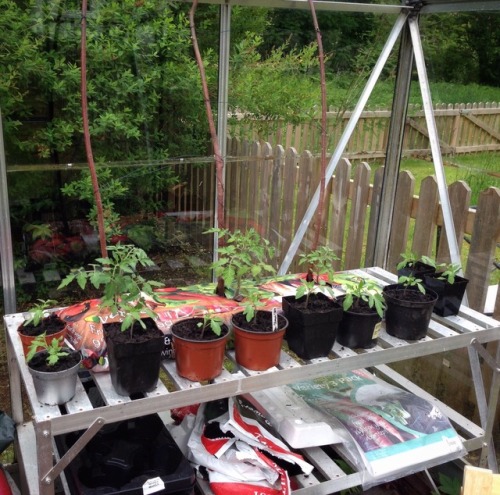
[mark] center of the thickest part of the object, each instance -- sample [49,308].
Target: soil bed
[48,325]
[137,335]
[409,295]
[39,362]
[262,323]
[315,304]
[189,330]
[359,306]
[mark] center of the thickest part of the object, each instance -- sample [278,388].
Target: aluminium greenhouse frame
[410,50]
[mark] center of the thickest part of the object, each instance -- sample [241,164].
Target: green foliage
[39,311]
[242,256]
[254,300]
[410,281]
[448,485]
[213,321]
[123,287]
[110,188]
[54,349]
[140,73]
[362,289]
[262,86]
[319,262]
[39,231]
[409,259]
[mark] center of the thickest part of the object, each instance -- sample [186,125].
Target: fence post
[340,193]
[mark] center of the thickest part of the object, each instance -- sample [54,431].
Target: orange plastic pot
[26,340]
[199,360]
[258,351]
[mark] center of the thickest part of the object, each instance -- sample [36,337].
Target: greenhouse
[268,234]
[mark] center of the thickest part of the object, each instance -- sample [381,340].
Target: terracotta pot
[258,350]
[199,360]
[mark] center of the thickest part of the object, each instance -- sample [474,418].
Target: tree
[483,35]
[143,87]
[343,34]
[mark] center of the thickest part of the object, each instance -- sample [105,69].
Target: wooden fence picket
[276,203]
[340,197]
[359,202]
[374,209]
[426,218]
[459,193]
[289,197]
[401,218]
[482,248]
[283,183]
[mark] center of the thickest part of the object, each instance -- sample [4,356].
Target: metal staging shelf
[34,445]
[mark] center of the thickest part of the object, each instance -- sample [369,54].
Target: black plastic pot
[417,270]
[134,366]
[408,311]
[311,334]
[358,330]
[449,295]
[123,456]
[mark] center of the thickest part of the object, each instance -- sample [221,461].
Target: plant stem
[321,206]
[219,164]
[86,133]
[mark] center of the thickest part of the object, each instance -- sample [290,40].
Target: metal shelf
[468,329]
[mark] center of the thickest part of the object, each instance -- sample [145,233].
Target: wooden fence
[462,128]
[269,188]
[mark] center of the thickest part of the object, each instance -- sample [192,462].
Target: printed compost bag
[239,450]
[85,320]
[395,432]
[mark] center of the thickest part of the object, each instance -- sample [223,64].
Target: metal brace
[416,6]
[74,450]
[485,355]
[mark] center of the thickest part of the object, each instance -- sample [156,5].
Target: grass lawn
[479,171]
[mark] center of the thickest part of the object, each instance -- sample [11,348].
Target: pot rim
[220,337]
[282,329]
[71,351]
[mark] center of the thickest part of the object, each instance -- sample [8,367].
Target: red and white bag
[238,450]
